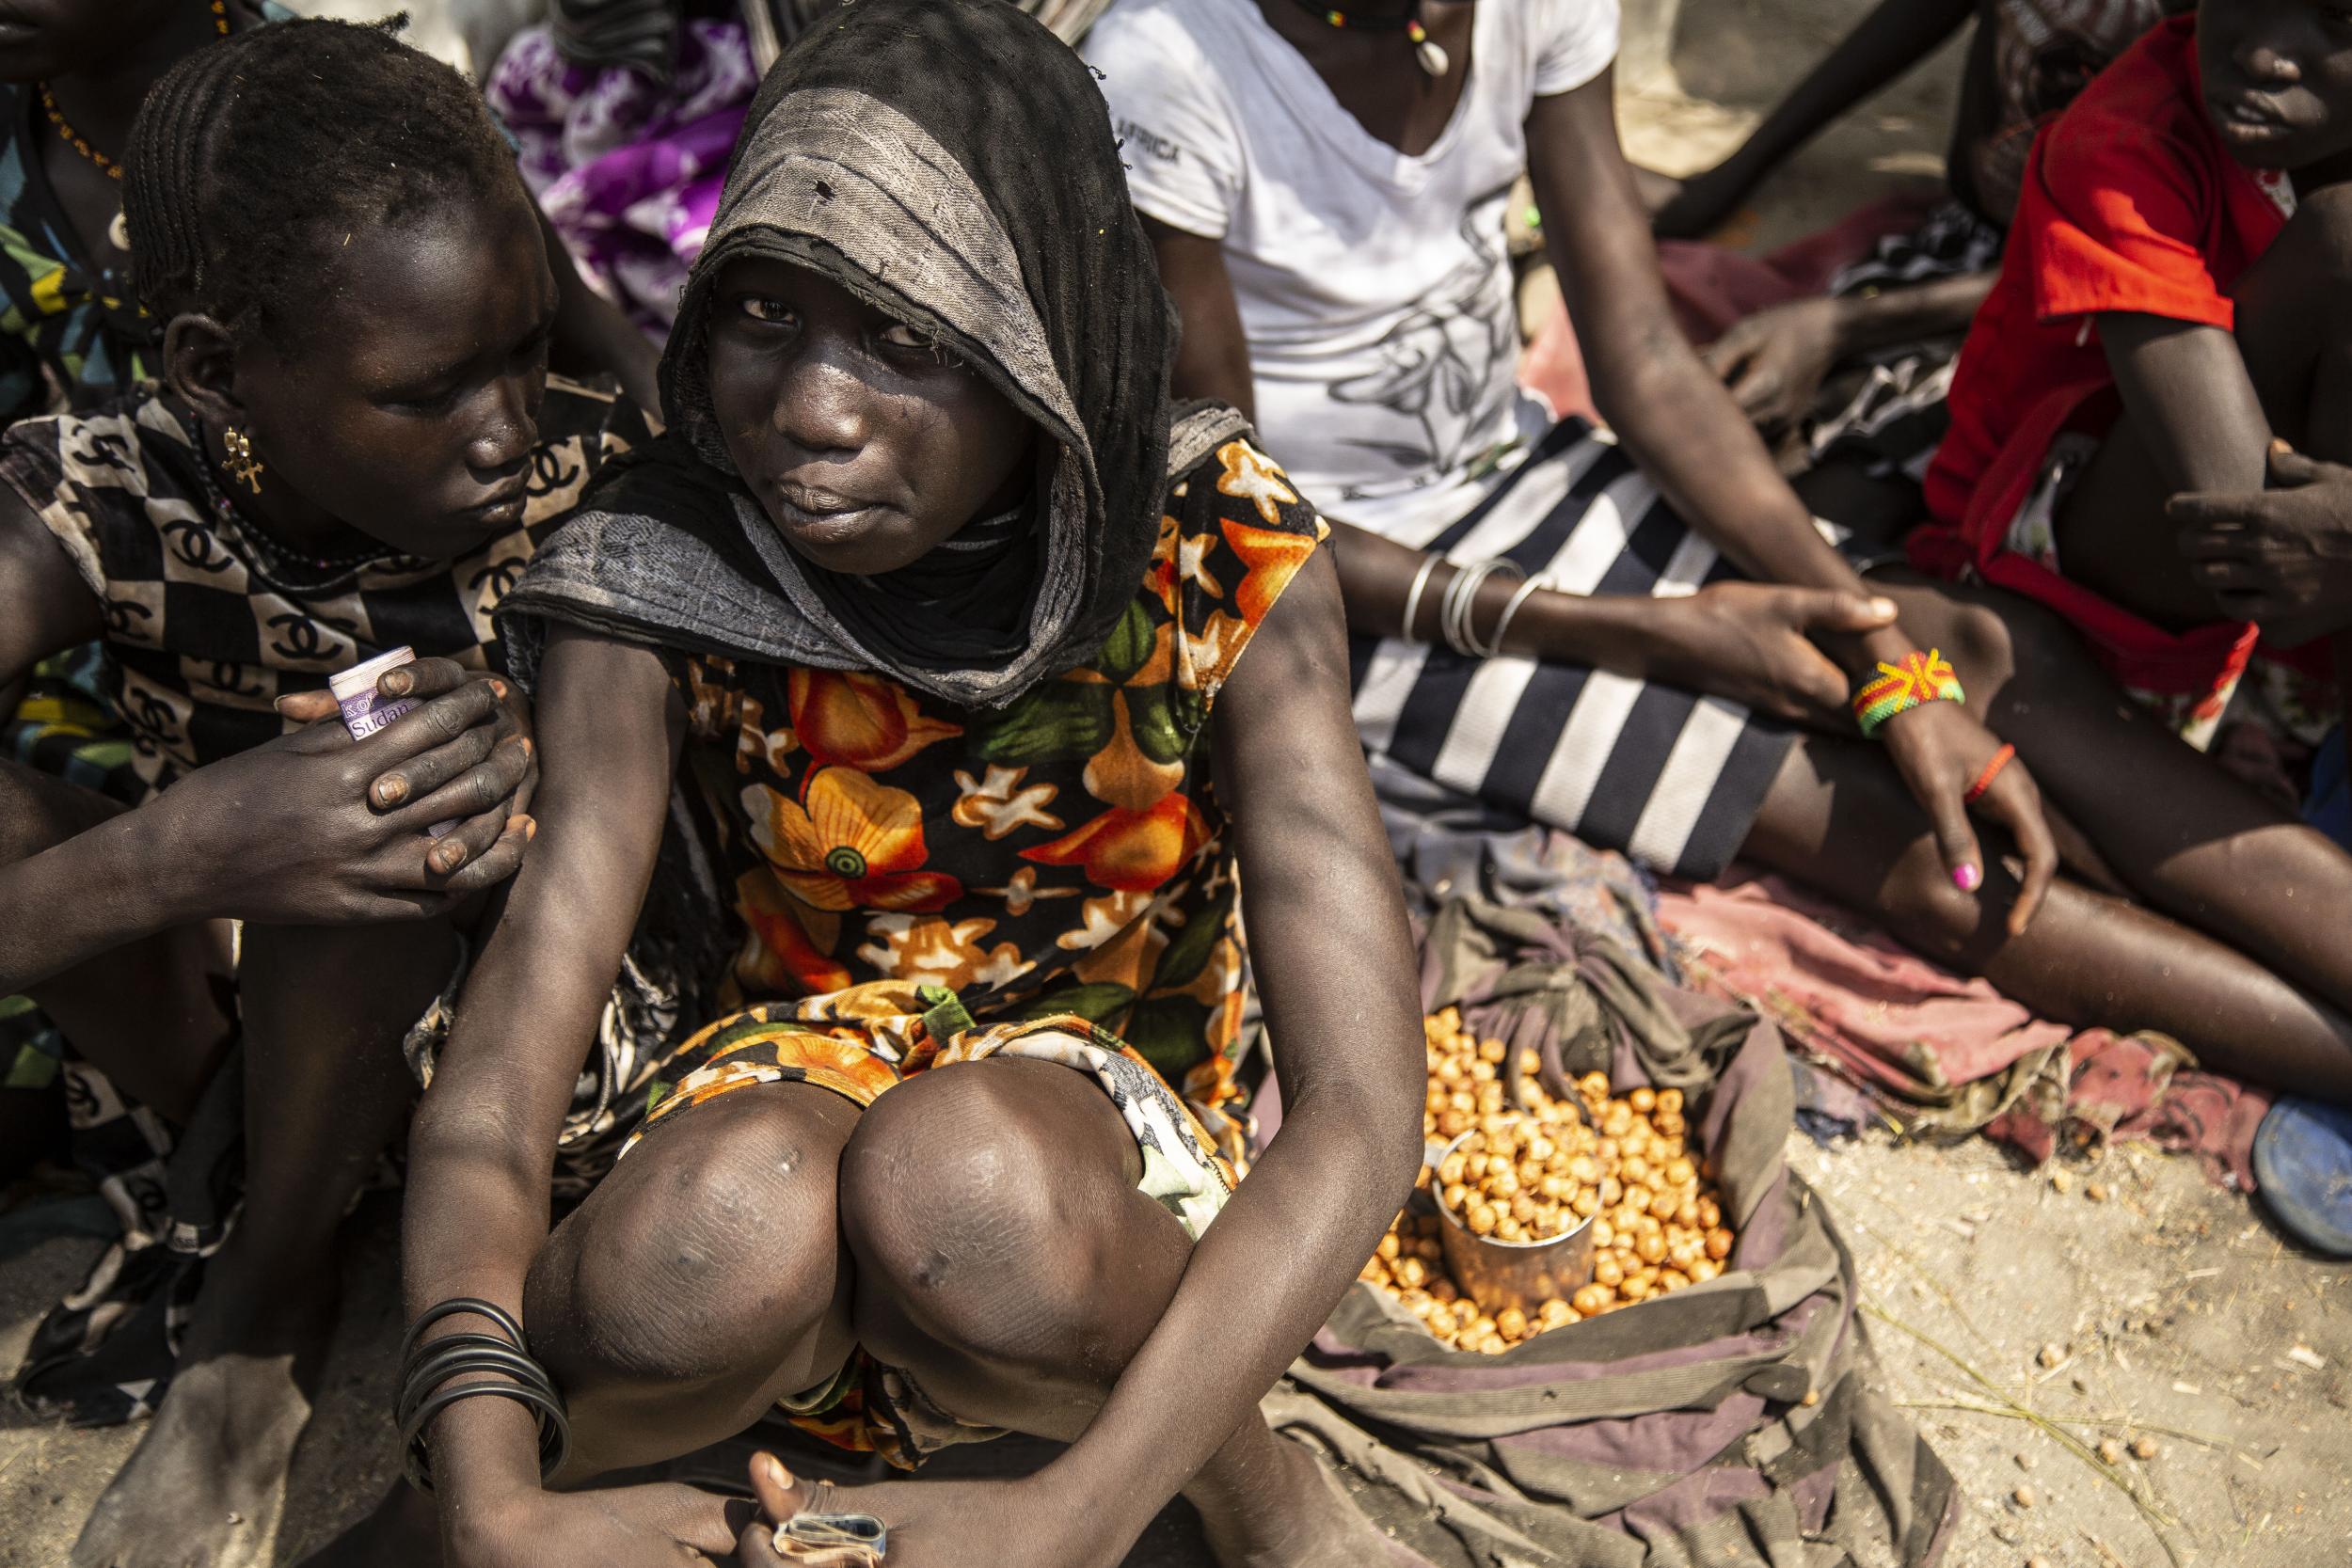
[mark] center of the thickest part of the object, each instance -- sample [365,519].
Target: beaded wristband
[1991,770]
[1926,678]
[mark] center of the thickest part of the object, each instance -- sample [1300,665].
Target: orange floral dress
[919,882]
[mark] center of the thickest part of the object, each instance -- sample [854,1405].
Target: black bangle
[451,1308]
[555,1433]
[428,1366]
[442,1360]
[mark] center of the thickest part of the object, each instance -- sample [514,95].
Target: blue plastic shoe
[2329,808]
[2303,1159]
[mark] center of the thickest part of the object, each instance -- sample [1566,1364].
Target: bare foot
[1294,1514]
[206,1485]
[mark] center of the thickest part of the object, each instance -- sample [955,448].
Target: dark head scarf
[951,162]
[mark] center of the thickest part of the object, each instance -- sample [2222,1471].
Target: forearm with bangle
[1628,634]
[1443,604]
[475,1215]
[440,1371]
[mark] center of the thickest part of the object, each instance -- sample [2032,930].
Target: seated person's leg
[2176,829]
[2186,836]
[1839,820]
[1019,1304]
[150,1013]
[326,1010]
[987,1208]
[701,1281]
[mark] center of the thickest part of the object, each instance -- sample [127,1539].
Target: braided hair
[252,155]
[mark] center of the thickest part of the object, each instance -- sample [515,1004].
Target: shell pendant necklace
[118,229]
[1425,49]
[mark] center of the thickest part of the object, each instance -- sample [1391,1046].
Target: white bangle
[1412,596]
[1519,596]
[1461,631]
[1466,583]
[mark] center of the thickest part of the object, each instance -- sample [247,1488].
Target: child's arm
[1693,441]
[1335,966]
[1895,37]
[2193,415]
[477,1209]
[289,833]
[45,606]
[2186,388]
[285,832]
[1738,640]
[1775,361]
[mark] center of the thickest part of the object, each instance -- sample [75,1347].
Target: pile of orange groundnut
[1538,1170]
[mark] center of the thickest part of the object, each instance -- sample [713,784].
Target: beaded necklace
[280,563]
[1425,49]
[118,231]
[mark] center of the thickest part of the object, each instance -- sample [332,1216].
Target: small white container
[364,712]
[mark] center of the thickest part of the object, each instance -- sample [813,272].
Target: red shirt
[2130,203]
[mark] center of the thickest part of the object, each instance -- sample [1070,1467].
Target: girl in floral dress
[931,592]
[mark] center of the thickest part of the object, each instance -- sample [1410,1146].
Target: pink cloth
[2132,1086]
[1712,286]
[1848,991]
[1917,1037]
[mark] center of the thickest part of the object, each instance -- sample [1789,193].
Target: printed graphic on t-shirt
[1446,364]
[1134,138]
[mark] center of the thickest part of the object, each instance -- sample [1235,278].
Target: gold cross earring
[243,466]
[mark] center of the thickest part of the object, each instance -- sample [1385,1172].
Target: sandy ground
[2171,1312]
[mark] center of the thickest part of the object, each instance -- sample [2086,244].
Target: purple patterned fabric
[629,172]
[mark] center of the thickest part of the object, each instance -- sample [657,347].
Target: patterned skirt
[1673,780]
[864,1041]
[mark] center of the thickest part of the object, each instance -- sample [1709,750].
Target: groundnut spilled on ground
[1537,1169]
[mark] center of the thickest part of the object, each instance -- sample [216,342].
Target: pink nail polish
[1965,878]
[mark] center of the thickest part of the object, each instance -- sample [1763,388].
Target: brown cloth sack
[1672,1433]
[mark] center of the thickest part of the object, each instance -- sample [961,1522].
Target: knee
[1986,648]
[971,1230]
[710,1246]
[2319,235]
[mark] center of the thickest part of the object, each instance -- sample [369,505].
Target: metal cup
[1502,1274]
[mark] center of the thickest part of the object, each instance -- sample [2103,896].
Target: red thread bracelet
[1992,771]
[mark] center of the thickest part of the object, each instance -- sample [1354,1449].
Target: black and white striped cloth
[1673,780]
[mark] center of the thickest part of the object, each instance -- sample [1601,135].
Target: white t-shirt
[1373,287]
